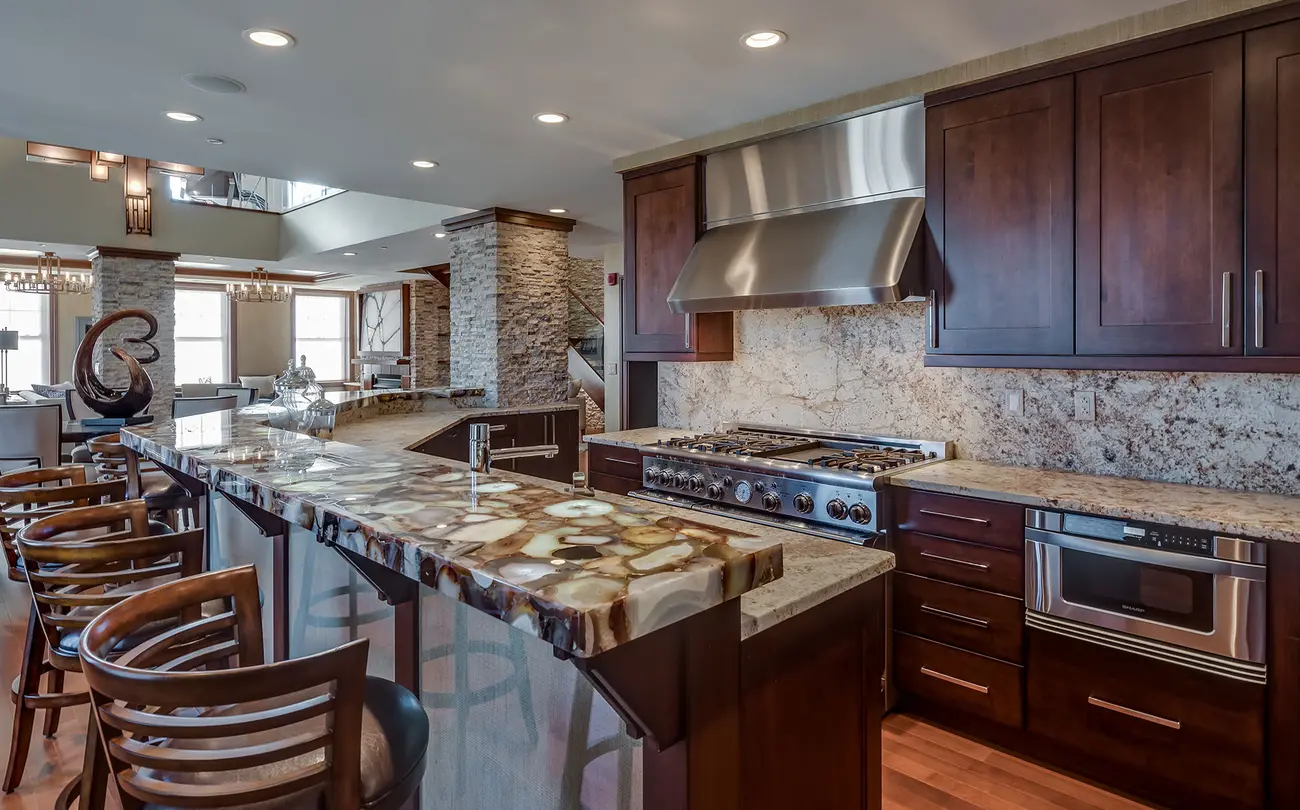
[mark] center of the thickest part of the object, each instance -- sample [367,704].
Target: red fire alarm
[613,279]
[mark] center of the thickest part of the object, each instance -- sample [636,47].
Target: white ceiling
[371,86]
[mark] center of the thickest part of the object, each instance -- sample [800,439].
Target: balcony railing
[250,192]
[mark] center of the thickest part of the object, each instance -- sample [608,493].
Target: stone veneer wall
[508,313]
[135,283]
[430,325]
[861,368]
[587,279]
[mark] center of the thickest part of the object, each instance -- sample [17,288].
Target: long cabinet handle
[956,617]
[1227,310]
[1134,713]
[974,687]
[932,322]
[980,521]
[955,561]
[1259,309]
[622,461]
[688,330]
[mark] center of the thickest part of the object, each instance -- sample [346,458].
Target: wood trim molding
[242,275]
[1174,363]
[642,171]
[509,216]
[105,252]
[30,261]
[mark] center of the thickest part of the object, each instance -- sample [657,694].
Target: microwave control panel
[1170,538]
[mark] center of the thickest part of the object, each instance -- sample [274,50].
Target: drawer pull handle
[1134,713]
[495,428]
[955,561]
[974,687]
[956,617]
[980,521]
[623,461]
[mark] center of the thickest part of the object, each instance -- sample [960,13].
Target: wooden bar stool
[296,734]
[145,480]
[79,562]
[24,498]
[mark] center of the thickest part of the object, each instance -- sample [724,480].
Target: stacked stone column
[430,334]
[137,279]
[509,305]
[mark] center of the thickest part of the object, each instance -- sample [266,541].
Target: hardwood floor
[926,768]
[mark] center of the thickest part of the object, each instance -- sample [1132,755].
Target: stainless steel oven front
[1181,594]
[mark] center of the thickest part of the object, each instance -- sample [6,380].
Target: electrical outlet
[1016,402]
[1085,406]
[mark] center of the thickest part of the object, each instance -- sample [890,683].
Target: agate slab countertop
[1230,512]
[584,574]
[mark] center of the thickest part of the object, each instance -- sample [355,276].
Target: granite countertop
[407,430]
[638,438]
[1256,515]
[584,574]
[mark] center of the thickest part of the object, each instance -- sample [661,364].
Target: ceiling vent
[223,85]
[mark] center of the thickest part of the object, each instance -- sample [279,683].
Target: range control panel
[845,507]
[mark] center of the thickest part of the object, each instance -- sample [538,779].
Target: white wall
[354,217]
[613,339]
[43,202]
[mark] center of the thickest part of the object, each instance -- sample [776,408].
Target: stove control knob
[679,480]
[714,491]
[803,502]
[772,501]
[860,513]
[696,483]
[652,475]
[837,509]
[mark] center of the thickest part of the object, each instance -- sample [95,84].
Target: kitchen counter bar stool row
[120,595]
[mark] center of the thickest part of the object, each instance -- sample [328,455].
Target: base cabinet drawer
[612,483]
[989,522]
[979,621]
[971,683]
[1195,738]
[624,462]
[983,567]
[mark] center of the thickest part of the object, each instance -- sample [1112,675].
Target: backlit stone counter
[584,574]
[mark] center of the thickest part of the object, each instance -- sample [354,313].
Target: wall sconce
[139,217]
[98,171]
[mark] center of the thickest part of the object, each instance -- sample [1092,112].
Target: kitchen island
[565,629]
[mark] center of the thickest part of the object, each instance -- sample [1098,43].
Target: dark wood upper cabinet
[663,216]
[1159,206]
[1000,212]
[1272,313]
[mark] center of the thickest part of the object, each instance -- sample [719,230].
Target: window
[320,331]
[202,336]
[29,315]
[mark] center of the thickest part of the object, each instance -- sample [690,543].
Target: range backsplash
[861,368]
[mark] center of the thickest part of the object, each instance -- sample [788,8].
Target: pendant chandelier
[259,290]
[49,278]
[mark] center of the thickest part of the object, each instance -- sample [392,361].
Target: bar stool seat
[158,484]
[394,737]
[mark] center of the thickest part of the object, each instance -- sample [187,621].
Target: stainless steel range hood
[829,216]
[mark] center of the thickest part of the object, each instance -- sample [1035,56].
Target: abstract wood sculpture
[109,402]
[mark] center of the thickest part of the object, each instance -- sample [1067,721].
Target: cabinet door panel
[1273,190]
[1000,212]
[1159,232]
[663,218]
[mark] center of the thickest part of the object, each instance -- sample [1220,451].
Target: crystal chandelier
[259,290]
[48,278]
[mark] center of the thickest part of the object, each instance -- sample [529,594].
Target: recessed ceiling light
[349,253]
[551,118]
[424,164]
[559,210]
[269,37]
[188,118]
[439,235]
[763,39]
[215,141]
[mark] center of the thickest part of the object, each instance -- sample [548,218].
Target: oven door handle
[1151,556]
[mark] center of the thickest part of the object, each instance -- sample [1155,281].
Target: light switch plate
[1016,402]
[1085,406]
[611,369]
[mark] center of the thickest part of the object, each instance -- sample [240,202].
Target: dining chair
[294,734]
[194,406]
[244,396]
[29,436]
[192,390]
[78,561]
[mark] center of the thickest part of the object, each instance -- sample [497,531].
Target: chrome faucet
[481,454]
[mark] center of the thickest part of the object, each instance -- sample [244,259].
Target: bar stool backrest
[28,495]
[296,723]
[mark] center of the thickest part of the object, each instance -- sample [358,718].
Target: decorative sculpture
[108,402]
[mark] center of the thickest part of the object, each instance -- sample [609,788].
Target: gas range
[818,482]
